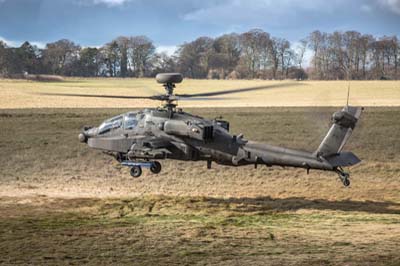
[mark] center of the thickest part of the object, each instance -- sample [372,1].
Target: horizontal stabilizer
[343,159]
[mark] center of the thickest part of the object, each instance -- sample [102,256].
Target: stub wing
[150,147]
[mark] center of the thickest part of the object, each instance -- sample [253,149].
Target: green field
[61,203]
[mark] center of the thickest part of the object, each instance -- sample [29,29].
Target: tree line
[249,55]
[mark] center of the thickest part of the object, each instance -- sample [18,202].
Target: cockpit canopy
[126,121]
[110,124]
[130,121]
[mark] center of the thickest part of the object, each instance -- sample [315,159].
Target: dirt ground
[62,203]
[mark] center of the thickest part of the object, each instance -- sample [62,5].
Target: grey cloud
[254,10]
[392,5]
[109,3]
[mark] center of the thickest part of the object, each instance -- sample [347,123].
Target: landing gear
[136,167]
[345,180]
[155,168]
[136,171]
[343,176]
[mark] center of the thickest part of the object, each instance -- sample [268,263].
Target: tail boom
[328,156]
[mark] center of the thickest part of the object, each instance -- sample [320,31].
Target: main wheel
[155,168]
[136,171]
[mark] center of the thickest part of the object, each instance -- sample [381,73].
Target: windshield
[130,121]
[113,123]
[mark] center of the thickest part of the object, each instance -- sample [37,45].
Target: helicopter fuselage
[138,139]
[154,134]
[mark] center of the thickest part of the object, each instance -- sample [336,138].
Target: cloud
[392,5]
[366,8]
[258,10]
[9,42]
[109,3]
[168,49]
[40,45]
[13,43]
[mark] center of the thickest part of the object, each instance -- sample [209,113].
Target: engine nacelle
[222,123]
[184,129]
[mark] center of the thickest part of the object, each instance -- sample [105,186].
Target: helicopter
[139,139]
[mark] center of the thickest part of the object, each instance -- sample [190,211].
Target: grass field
[23,94]
[61,203]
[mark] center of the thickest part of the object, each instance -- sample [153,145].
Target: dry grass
[61,203]
[22,94]
[197,231]
[41,154]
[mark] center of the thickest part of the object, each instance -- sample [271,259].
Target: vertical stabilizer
[344,122]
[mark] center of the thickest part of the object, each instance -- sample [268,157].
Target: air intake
[208,133]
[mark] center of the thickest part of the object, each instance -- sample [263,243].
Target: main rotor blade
[154,97]
[201,98]
[232,91]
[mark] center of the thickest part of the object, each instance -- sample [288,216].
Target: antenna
[348,94]
[348,85]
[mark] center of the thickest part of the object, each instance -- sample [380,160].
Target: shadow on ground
[239,206]
[184,205]
[261,204]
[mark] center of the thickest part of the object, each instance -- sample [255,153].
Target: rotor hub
[171,78]
[168,80]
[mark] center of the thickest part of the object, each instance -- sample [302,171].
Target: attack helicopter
[139,139]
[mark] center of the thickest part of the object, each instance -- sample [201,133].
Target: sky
[170,23]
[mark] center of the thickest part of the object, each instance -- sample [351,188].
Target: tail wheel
[136,171]
[346,182]
[155,168]
[344,177]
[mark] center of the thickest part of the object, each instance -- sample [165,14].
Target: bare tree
[3,58]
[193,57]
[253,54]
[123,45]
[315,43]
[364,47]
[142,50]
[300,52]
[282,46]
[60,55]
[111,55]
[255,45]
[90,62]
[162,62]
[224,54]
